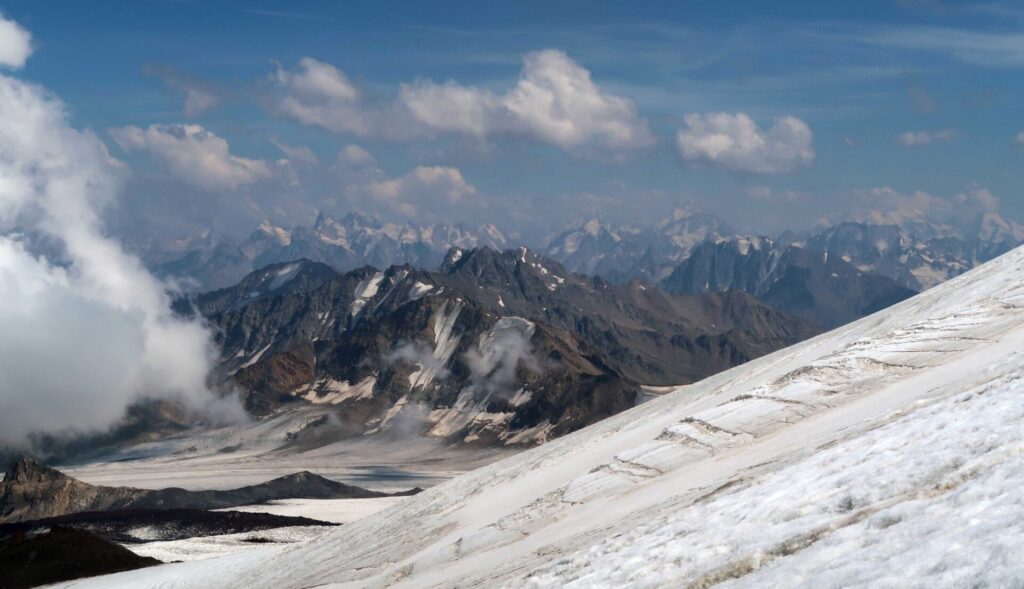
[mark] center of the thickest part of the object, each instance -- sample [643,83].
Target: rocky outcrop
[32,491]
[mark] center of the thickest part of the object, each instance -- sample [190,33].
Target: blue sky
[912,96]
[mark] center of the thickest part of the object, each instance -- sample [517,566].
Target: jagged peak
[25,469]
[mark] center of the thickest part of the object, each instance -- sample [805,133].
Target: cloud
[919,138]
[419,353]
[554,101]
[493,363]
[425,188]
[298,155]
[736,142]
[353,155]
[15,44]
[978,198]
[193,155]
[988,49]
[200,95]
[82,340]
[319,94]
[885,204]
[1019,138]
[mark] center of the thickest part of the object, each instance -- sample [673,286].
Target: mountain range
[494,347]
[883,453]
[207,261]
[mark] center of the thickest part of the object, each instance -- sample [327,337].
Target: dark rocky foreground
[31,491]
[160,525]
[62,554]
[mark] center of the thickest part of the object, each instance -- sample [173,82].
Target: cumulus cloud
[918,138]
[554,101]
[193,155]
[736,142]
[1019,138]
[424,188]
[319,94]
[199,95]
[83,340]
[15,44]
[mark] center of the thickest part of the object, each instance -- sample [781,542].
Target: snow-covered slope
[885,453]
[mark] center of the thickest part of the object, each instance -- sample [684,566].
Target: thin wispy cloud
[919,138]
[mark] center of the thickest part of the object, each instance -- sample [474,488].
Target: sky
[535,115]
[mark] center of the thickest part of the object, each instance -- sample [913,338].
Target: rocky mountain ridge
[493,348]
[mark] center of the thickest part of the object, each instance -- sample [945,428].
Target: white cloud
[82,340]
[736,142]
[353,155]
[554,101]
[193,155]
[423,189]
[319,94]
[1019,138]
[15,44]
[918,138]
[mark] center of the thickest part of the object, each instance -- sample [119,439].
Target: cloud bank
[81,340]
[554,101]
[193,155]
[736,142]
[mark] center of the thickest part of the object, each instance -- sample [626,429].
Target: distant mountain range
[492,348]
[846,268]
[206,262]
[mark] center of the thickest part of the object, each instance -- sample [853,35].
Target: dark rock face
[157,525]
[32,491]
[493,348]
[63,554]
[815,285]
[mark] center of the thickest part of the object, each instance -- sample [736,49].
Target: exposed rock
[32,491]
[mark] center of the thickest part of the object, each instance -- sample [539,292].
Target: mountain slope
[621,254]
[495,348]
[886,452]
[822,288]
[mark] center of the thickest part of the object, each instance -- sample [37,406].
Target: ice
[365,290]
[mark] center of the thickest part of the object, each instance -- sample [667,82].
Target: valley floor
[231,457]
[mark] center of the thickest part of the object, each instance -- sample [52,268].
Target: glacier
[886,453]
